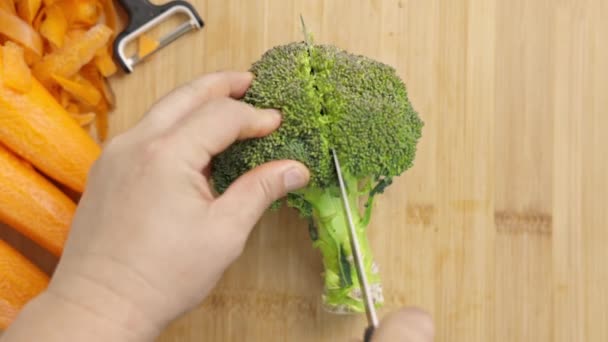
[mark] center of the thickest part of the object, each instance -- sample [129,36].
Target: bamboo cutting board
[499,230]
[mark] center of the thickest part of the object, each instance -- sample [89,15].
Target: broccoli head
[331,99]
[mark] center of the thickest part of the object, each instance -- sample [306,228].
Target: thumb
[407,325]
[250,195]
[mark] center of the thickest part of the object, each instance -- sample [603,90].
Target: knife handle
[369,331]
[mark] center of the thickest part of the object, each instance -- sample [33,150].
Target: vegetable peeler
[143,15]
[370,309]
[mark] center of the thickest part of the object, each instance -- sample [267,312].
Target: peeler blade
[143,16]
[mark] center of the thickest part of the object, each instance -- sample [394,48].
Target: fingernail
[275,112]
[294,179]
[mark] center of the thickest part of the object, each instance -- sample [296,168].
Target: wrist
[57,318]
[98,314]
[110,295]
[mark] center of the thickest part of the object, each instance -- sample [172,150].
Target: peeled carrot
[32,205]
[20,282]
[36,127]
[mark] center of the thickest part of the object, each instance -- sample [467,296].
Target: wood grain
[499,230]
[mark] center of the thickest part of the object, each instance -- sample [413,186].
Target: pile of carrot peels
[66,45]
[55,57]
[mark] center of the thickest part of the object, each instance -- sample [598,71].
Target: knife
[370,309]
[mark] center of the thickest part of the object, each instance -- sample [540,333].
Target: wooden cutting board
[500,230]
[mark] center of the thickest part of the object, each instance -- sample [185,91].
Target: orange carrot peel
[17,75]
[146,45]
[71,57]
[20,31]
[54,26]
[27,9]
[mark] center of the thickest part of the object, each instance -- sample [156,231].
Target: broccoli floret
[331,99]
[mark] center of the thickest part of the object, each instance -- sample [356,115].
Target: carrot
[36,127]
[32,205]
[20,282]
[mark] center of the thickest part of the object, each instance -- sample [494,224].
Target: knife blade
[370,309]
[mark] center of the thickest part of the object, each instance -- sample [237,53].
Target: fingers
[407,325]
[220,123]
[184,100]
[248,197]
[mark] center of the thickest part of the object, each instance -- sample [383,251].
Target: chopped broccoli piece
[331,99]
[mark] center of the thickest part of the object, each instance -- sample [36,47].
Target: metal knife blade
[370,309]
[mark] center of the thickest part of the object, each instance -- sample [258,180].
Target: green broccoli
[331,99]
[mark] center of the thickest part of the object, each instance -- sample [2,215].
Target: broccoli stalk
[329,232]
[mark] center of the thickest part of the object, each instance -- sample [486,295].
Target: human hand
[406,325]
[149,240]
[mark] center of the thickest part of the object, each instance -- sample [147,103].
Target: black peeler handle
[141,12]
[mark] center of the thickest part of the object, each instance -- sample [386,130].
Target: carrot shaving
[104,63]
[20,32]
[16,73]
[101,121]
[108,94]
[74,35]
[27,9]
[93,75]
[8,6]
[82,12]
[146,45]
[54,26]
[66,61]
[72,108]
[84,119]
[81,89]
[64,98]
[110,17]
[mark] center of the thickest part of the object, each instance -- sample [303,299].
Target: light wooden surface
[499,231]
